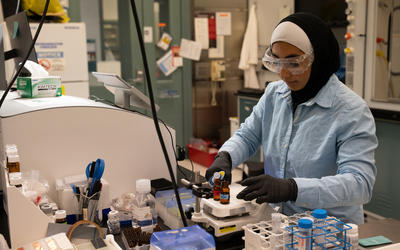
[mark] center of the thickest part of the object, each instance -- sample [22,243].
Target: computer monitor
[19,39]
[125,94]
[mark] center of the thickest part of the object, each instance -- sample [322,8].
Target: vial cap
[15,178]
[276,217]
[305,223]
[11,149]
[319,213]
[217,175]
[46,208]
[13,158]
[354,228]
[112,213]
[60,214]
[143,186]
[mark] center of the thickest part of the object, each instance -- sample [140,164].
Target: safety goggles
[295,65]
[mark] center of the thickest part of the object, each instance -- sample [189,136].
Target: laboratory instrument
[225,219]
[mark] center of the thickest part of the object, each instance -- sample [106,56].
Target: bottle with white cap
[352,235]
[12,158]
[61,216]
[144,204]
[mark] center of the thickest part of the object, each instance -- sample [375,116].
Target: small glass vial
[61,216]
[276,222]
[15,179]
[13,163]
[304,240]
[352,235]
[113,222]
[217,189]
[224,196]
[319,216]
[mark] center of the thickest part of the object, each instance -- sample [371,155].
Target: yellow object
[227,229]
[381,54]
[62,89]
[37,7]
[348,50]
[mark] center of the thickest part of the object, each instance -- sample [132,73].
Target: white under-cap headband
[291,33]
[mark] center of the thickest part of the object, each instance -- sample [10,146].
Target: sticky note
[374,241]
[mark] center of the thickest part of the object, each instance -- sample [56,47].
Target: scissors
[94,171]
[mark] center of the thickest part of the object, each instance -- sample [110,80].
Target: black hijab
[326,54]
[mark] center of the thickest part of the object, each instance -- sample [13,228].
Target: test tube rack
[261,236]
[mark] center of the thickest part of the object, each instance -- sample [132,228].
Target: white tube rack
[260,235]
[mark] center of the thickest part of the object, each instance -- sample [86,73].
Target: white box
[61,49]
[80,89]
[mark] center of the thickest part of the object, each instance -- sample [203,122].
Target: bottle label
[217,194]
[142,215]
[304,242]
[224,196]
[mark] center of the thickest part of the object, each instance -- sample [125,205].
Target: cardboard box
[61,49]
[31,87]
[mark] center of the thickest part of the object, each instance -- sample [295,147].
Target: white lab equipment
[230,218]
[59,135]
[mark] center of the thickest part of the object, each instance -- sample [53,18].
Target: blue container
[192,237]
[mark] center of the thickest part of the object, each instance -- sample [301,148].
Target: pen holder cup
[88,206]
[68,201]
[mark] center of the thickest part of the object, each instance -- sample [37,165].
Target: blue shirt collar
[324,98]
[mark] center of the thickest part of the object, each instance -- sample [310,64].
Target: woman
[318,136]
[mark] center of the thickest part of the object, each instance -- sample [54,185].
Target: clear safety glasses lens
[295,65]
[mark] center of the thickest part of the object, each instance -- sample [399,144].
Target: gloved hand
[268,189]
[222,162]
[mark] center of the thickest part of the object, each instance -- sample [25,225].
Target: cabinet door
[173,92]
[246,105]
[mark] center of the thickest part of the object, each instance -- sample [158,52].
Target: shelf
[26,221]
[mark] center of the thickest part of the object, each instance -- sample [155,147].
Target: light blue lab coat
[327,146]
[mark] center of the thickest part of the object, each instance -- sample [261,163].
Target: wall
[386,197]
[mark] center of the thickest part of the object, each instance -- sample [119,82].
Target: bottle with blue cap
[319,225]
[304,241]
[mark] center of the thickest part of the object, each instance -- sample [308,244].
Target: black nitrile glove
[268,189]
[222,162]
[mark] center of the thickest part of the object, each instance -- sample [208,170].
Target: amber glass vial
[225,195]
[217,189]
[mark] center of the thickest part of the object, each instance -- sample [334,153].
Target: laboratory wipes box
[62,50]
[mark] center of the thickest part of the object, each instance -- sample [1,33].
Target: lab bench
[388,227]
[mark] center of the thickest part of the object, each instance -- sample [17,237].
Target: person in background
[318,136]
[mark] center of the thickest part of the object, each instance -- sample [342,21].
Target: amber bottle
[217,189]
[224,196]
